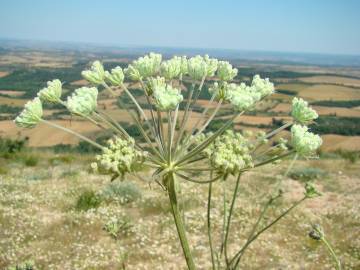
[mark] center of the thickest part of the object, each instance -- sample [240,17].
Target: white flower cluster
[174,67]
[304,142]
[96,74]
[83,101]
[301,111]
[116,77]
[120,157]
[243,97]
[200,67]
[225,71]
[51,93]
[31,115]
[144,67]
[166,97]
[230,153]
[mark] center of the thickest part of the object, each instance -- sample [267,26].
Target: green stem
[73,133]
[229,219]
[332,253]
[178,221]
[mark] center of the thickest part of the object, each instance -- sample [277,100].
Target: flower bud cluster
[120,157]
[51,93]
[200,67]
[83,101]
[96,74]
[31,115]
[144,67]
[225,71]
[166,97]
[301,112]
[171,69]
[230,153]
[116,77]
[304,142]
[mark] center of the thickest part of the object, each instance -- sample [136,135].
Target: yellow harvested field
[282,108]
[258,120]
[332,79]
[346,112]
[12,93]
[12,101]
[3,74]
[334,142]
[329,92]
[291,86]
[80,83]
[44,135]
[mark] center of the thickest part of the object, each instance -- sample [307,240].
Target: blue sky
[325,26]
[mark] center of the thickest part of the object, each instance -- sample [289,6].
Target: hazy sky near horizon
[323,26]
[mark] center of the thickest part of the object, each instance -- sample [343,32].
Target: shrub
[123,192]
[116,226]
[352,156]
[30,160]
[87,200]
[28,265]
[307,174]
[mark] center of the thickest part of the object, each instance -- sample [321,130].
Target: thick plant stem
[332,253]
[178,221]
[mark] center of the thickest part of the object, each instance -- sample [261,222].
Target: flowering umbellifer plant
[173,148]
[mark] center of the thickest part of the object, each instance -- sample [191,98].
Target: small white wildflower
[52,93]
[225,71]
[116,77]
[301,111]
[31,115]
[304,142]
[120,157]
[171,69]
[222,90]
[96,74]
[144,67]
[83,101]
[197,67]
[262,86]
[167,98]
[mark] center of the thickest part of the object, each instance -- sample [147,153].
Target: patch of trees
[338,103]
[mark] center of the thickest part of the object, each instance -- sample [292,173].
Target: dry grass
[38,221]
[335,142]
[12,101]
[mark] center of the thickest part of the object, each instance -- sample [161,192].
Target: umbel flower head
[96,74]
[51,93]
[225,71]
[222,90]
[212,65]
[262,86]
[120,157]
[230,153]
[197,67]
[83,101]
[171,69]
[116,77]
[301,111]
[304,142]
[166,97]
[31,115]
[153,83]
[144,67]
